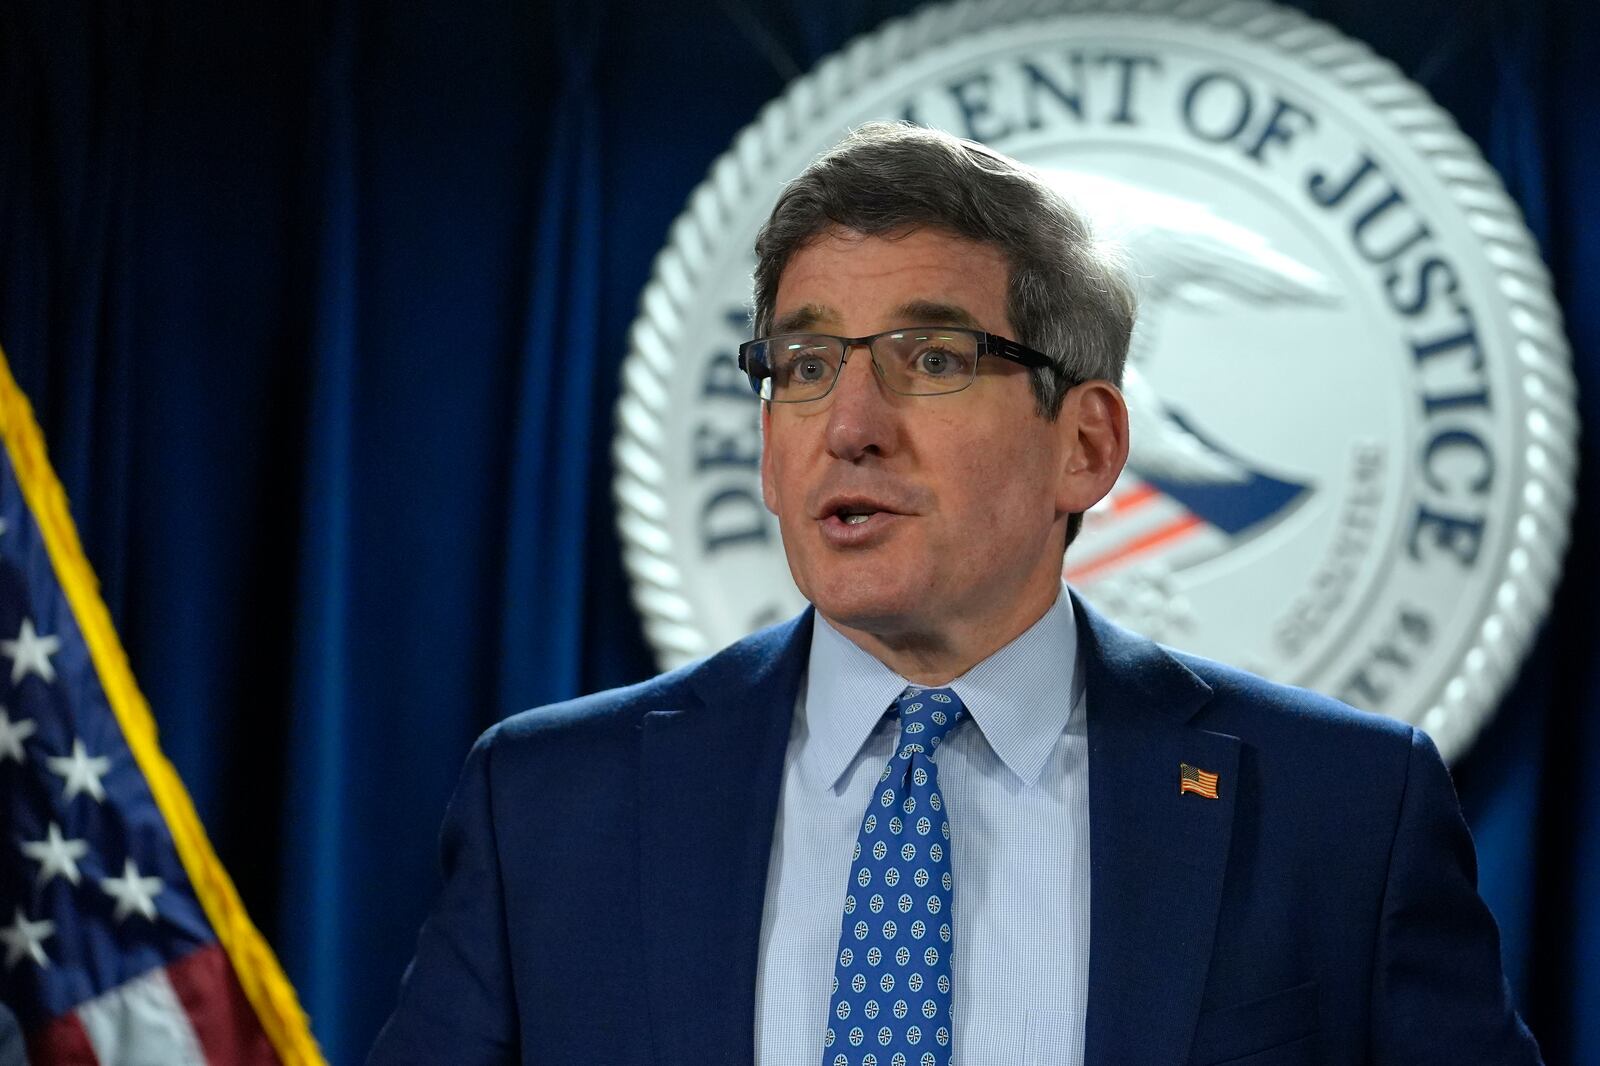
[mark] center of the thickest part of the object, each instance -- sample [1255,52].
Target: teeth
[855,519]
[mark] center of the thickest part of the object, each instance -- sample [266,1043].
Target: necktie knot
[926,716]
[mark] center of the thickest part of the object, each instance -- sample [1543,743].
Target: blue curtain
[322,304]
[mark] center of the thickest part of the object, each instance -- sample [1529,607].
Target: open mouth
[856,520]
[855,516]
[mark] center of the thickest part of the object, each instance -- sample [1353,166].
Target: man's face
[965,493]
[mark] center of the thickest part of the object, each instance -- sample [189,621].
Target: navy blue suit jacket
[606,859]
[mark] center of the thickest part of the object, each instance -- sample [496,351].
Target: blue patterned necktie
[891,986]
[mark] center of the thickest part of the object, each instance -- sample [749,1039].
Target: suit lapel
[1157,857]
[709,782]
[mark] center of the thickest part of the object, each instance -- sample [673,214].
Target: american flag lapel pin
[1200,782]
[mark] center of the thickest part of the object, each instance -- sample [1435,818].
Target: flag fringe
[257,969]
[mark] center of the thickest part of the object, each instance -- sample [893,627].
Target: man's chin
[879,595]
[878,613]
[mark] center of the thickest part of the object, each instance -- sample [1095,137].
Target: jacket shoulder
[1270,714]
[620,710]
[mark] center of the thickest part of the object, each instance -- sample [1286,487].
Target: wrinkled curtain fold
[555,436]
[322,889]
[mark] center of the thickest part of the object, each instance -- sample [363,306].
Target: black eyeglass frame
[988,344]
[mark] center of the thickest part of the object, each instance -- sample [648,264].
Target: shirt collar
[1022,697]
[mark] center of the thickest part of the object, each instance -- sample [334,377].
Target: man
[950,814]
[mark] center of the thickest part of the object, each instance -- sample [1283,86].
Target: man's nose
[861,415]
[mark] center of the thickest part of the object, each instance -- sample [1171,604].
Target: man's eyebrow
[804,317]
[934,313]
[911,313]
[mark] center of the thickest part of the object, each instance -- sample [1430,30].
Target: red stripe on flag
[1179,527]
[227,1027]
[1133,499]
[64,1042]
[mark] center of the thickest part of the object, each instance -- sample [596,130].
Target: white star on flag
[30,653]
[55,855]
[26,938]
[132,892]
[12,734]
[81,773]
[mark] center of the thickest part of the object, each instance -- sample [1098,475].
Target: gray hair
[1067,296]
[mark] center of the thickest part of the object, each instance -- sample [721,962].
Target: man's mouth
[855,516]
[858,520]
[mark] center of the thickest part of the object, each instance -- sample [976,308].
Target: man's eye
[939,362]
[801,363]
[809,368]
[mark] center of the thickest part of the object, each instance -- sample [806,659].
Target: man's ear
[769,494]
[1093,424]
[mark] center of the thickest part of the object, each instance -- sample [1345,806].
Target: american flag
[1193,779]
[122,940]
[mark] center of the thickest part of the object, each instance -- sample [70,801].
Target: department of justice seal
[1351,404]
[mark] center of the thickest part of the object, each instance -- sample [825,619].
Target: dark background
[321,307]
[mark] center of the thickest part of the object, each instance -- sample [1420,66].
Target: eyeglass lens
[915,362]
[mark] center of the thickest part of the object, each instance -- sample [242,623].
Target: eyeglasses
[917,361]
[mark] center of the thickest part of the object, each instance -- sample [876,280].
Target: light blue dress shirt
[1015,779]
